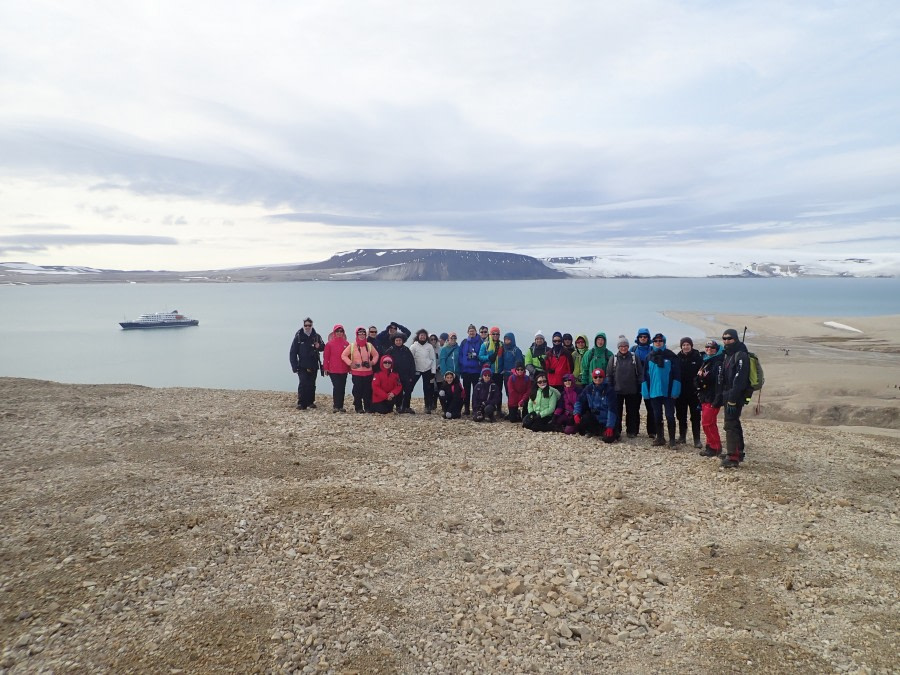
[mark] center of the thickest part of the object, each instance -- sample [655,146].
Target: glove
[577,419]
[609,435]
[731,408]
[442,393]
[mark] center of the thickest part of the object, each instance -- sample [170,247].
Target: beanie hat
[686,339]
[444,336]
[567,336]
[520,364]
[568,377]
[622,341]
[399,335]
[598,372]
[557,334]
[485,370]
[539,334]
[495,329]
[731,332]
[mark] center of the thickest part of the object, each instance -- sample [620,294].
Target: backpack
[757,377]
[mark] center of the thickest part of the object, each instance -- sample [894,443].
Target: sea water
[70,332]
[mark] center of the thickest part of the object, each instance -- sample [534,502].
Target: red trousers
[709,417]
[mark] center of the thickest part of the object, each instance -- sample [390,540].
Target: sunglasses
[371,331]
[360,332]
[557,342]
[727,339]
[387,363]
[482,331]
[598,377]
[307,325]
[542,381]
[452,337]
[339,330]
[658,342]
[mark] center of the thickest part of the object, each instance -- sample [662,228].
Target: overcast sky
[198,135]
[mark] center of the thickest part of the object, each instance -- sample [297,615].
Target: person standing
[334,366]
[426,367]
[405,368]
[510,356]
[662,384]
[642,349]
[449,358]
[535,355]
[469,365]
[491,356]
[733,385]
[626,373]
[558,362]
[579,349]
[597,356]
[689,361]
[304,357]
[706,382]
[361,357]
[385,339]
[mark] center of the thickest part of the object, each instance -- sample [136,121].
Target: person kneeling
[541,405]
[386,388]
[595,409]
[485,398]
[452,395]
[564,415]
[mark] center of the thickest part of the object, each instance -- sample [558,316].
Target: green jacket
[543,406]
[596,357]
[578,358]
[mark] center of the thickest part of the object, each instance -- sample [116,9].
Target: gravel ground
[189,530]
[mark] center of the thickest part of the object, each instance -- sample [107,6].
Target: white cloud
[467,124]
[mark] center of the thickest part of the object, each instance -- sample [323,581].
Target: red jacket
[518,389]
[557,366]
[385,382]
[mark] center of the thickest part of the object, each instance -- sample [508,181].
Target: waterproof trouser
[339,388]
[683,405]
[306,389]
[362,392]
[709,419]
[734,434]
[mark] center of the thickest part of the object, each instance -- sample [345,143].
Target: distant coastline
[461,265]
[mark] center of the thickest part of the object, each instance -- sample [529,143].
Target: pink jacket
[354,355]
[331,357]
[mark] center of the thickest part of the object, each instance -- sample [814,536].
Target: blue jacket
[510,356]
[600,400]
[467,363]
[490,353]
[448,361]
[639,350]
[662,375]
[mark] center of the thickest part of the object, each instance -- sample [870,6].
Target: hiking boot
[659,440]
[682,439]
[709,452]
[300,406]
[697,443]
[361,411]
[428,411]
[631,435]
[729,463]
[312,405]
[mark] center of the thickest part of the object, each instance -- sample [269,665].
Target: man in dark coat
[304,356]
[735,381]
[690,361]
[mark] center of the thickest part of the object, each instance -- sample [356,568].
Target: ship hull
[130,325]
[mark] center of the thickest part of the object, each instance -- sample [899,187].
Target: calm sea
[70,333]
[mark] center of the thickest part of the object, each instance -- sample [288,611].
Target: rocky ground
[187,530]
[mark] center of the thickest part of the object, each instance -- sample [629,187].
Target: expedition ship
[171,319]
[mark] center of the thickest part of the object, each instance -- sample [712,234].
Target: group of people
[563,385]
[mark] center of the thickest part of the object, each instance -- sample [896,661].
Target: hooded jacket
[595,357]
[355,354]
[404,363]
[662,375]
[485,393]
[304,353]
[385,382]
[518,389]
[423,356]
[557,363]
[331,358]
[734,377]
[642,351]
[600,399]
[510,356]
[454,390]
[578,357]
[544,402]
[490,353]
[449,359]
[469,349]
[536,355]
[707,379]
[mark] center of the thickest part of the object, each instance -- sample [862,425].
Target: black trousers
[469,381]
[384,407]
[632,405]
[339,388]
[734,434]
[683,404]
[651,421]
[428,392]
[306,390]
[454,406]
[591,424]
[362,392]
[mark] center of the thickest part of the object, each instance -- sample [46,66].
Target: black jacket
[404,363]
[690,363]
[706,381]
[734,378]
[304,352]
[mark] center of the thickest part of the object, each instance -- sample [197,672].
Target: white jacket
[424,357]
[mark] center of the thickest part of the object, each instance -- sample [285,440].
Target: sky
[207,135]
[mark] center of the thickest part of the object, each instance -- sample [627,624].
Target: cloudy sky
[195,135]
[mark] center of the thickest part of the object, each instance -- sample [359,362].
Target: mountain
[459,265]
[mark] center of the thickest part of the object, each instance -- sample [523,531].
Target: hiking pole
[758,403]
[744,336]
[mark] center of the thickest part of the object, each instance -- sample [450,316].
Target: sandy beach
[211,531]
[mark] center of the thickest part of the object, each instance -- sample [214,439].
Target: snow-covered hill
[671,262]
